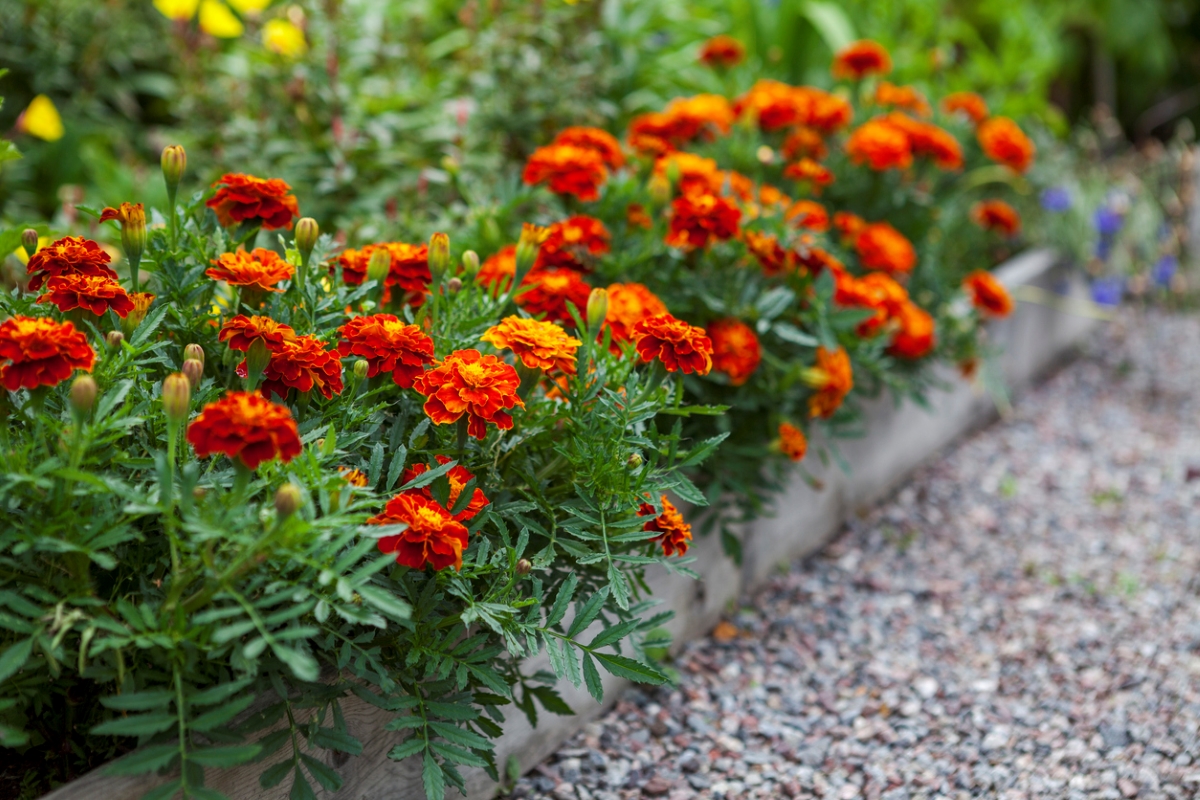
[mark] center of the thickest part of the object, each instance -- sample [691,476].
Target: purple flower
[1056,199]
[1165,270]
[1107,221]
[1108,291]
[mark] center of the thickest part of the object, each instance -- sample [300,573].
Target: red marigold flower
[458,477]
[388,345]
[808,214]
[1004,142]
[70,255]
[499,268]
[775,105]
[636,216]
[804,143]
[539,345]
[674,532]
[245,426]
[833,379]
[684,119]
[546,292]
[967,103]
[568,170]
[696,219]
[927,139]
[816,259]
[988,294]
[722,52]
[906,97]
[37,351]
[736,351]
[792,442]
[881,145]
[808,170]
[466,382]
[996,215]
[882,247]
[826,112]
[96,293]
[596,139]
[432,537]
[244,197]
[860,59]
[573,242]
[774,258]
[353,263]
[301,363]
[679,346]
[261,269]
[848,224]
[689,173]
[770,197]
[241,331]
[629,304]
[876,291]
[915,335]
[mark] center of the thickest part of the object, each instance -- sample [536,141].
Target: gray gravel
[1021,620]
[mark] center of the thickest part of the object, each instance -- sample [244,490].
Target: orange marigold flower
[539,345]
[241,331]
[301,363]
[804,143]
[353,263]
[261,269]
[906,97]
[774,104]
[690,173]
[808,214]
[769,196]
[244,197]
[37,351]
[915,335]
[141,306]
[736,350]
[927,139]
[1004,142]
[881,145]
[596,139]
[96,293]
[792,441]
[499,268]
[70,255]
[466,382]
[882,247]
[245,426]
[816,259]
[458,477]
[679,346]
[848,224]
[996,215]
[629,304]
[636,216]
[696,219]
[388,345]
[568,170]
[739,186]
[808,170]
[988,294]
[546,293]
[432,537]
[826,112]
[833,379]
[967,103]
[699,116]
[574,242]
[773,257]
[860,59]
[674,532]
[877,291]
[722,51]
[354,477]
[408,267]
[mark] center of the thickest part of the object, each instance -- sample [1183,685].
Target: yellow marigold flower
[539,345]
[41,119]
[179,10]
[217,20]
[282,37]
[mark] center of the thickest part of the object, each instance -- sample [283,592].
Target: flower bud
[528,247]
[141,306]
[454,284]
[83,394]
[307,232]
[450,164]
[29,240]
[379,264]
[288,500]
[634,461]
[194,351]
[470,261]
[524,566]
[439,256]
[114,338]
[361,367]
[176,396]
[132,218]
[597,309]
[194,370]
[174,162]
[257,358]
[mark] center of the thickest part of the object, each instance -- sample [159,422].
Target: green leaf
[563,600]
[165,791]
[376,465]
[301,789]
[462,736]
[385,602]
[14,658]
[224,757]
[273,775]
[302,665]
[219,693]
[592,678]
[149,325]
[407,748]
[429,476]
[322,773]
[614,633]
[333,739]
[431,776]
[139,701]
[458,755]
[148,759]
[624,667]
[398,459]
[138,725]
[831,22]
[221,714]
[552,701]
[586,614]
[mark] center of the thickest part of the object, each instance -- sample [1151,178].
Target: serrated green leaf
[431,776]
[592,678]
[225,757]
[624,667]
[587,614]
[147,759]
[409,747]
[137,725]
[562,600]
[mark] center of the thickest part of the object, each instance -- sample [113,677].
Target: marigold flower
[539,345]
[1004,142]
[808,214]
[568,170]
[792,442]
[808,170]
[499,268]
[546,293]
[876,291]
[736,351]
[906,97]
[774,105]
[833,379]
[301,363]
[881,145]
[699,116]
[573,242]
[882,247]
[674,533]
[354,477]
[696,219]
[70,255]
[996,215]
[679,346]
[722,52]
[915,335]
[690,173]
[636,216]
[773,257]
[816,259]
[968,103]
[242,198]
[848,224]
[458,477]
[927,139]
[432,537]
[261,269]
[247,427]
[860,59]
[629,304]
[388,345]
[466,382]
[37,351]
[95,293]
[596,139]
[804,143]
[132,219]
[410,266]
[988,294]
[141,306]
[241,331]
[826,112]
[770,197]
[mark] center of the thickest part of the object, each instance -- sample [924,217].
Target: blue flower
[1165,270]
[1108,291]
[1056,199]
[1107,221]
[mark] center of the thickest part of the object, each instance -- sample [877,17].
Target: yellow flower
[249,6]
[177,9]
[282,37]
[41,119]
[217,20]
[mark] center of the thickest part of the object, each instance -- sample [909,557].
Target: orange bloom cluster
[988,294]
[468,383]
[300,363]
[792,441]
[36,351]
[95,293]
[773,257]
[690,173]
[807,170]
[70,255]
[882,247]
[1004,142]
[432,537]
[241,331]
[816,259]
[538,345]
[735,347]
[683,120]
[808,214]
[777,105]
[498,269]
[595,139]
[629,304]
[848,224]
[567,169]
[927,139]
[696,219]
[261,269]
[881,145]
[458,477]
[996,215]
[860,59]
[876,291]
[833,379]
[547,293]
[968,103]
[245,426]
[573,242]
[804,142]
[674,533]
[906,97]
[388,345]
[914,337]
[242,198]
[722,51]
[679,346]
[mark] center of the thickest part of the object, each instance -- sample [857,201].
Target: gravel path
[1021,620]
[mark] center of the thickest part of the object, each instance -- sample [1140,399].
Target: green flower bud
[288,500]
[174,162]
[454,284]
[257,358]
[194,370]
[194,351]
[176,396]
[29,240]
[360,369]
[470,261]
[524,566]
[307,232]
[597,310]
[132,218]
[114,338]
[378,265]
[439,256]
[83,395]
